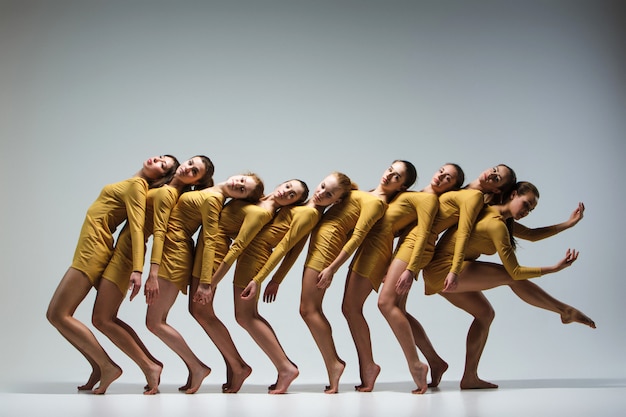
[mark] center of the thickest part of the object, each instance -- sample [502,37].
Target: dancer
[194,208]
[196,173]
[455,207]
[373,256]
[287,234]
[125,200]
[203,288]
[493,233]
[340,232]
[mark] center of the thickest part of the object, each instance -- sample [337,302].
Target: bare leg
[156,320]
[356,291]
[391,306]
[536,296]
[438,366]
[477,305]
[71,291]
[248,317]
[218,333]
[312,314]
[479,276]
[104,318]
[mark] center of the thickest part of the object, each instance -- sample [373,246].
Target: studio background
[90,89]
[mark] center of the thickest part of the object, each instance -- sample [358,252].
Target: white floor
[572,398]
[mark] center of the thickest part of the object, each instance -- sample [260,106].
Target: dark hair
[168,176]
[505,188]
[460,175]
[410,176]
[207,179]
[305,192]
[521,188]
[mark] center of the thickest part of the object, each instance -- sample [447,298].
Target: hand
[576,215]
[451,282]
[404,282]
[249,292]
[204,294]
[570,256]
[151,290]
[135,284]
[325,278]
[269,295]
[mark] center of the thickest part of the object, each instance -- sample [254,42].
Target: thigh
[311,295]
[479,276]
[70,292]
[474,303]
[356,290]
[160,308]
[108,300]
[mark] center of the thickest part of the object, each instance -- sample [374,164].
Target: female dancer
[194,208]
[196,173]
[201,306]
[287,233]
[125,200]
[341,230]
[455,207]
[373,256]
[492,234]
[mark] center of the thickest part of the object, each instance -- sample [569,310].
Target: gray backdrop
[89,89]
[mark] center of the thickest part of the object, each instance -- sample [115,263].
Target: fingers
[134,292]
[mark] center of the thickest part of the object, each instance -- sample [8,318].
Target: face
[240,186]
[522,204]
[492,179]
[444,179]
[156,167]
[288,192]
[394,177]
[191,171]
[327,192]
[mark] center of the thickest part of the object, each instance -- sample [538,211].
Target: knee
[99,322]
[384,306]
[306,312]
[351,309]
[54,315]
[153,325]
[486,316]
[242,319]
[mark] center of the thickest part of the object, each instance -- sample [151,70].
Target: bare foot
[187,384]
[285,378]
[197,376]
[419,373]
[238,379]
[571,315]
[93,380]
[110,374]
[229,378]
[334,375]
[476,383]
[154,379]
[369,379]
[436,373]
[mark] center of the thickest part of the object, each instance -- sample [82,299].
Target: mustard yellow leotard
[124,200]
[240,221]
[287,234]
[374,255]
[159,204]
[193,209]
[343,227]
[490,235]
[455,208]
